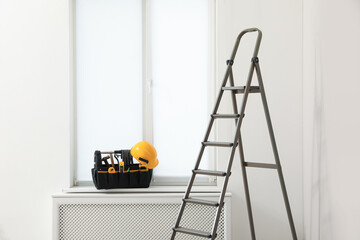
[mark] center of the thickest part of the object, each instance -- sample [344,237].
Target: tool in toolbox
[123,154]
[124,173]
[237,142]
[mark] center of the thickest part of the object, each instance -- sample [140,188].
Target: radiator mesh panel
[133,221]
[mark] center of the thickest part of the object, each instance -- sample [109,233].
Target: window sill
[151,189]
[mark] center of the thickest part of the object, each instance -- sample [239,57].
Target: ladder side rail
[217,104]
[242,165]
[233,96]
[275,150]
[216,107]
[246,189]
[192,179]
[236,139]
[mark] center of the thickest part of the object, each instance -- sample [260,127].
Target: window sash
[147,97]
[104,58]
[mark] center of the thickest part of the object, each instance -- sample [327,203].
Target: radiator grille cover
[142,221]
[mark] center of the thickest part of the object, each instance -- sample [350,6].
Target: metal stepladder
[237,142]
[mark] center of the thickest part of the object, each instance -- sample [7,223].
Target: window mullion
[147,78]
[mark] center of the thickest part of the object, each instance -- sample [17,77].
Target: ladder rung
[260,165]
[201,201]
[218,144]
[225,115]
[193,232]
[210,172]
[241,89]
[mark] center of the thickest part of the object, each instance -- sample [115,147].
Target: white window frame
[147,95]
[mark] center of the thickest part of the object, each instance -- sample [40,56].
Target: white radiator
[145,216]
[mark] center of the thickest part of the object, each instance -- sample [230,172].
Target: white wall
[331,119]
[34,111]
[34,114]
[281,64]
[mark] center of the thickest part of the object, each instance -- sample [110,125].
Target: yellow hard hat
[145,153]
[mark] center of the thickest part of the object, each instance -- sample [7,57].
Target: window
[142,73]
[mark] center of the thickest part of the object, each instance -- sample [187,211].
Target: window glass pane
[180,43]
[108,78]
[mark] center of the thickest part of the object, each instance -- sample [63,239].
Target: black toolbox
[119,173]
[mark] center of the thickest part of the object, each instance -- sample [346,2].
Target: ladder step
[261,165]
[241,89]
[210,172]
[225,115]
[218,144]
[193,232]
[201,201]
